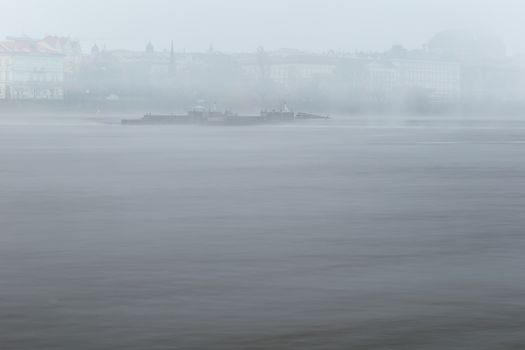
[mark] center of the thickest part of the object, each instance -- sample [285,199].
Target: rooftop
[50,45]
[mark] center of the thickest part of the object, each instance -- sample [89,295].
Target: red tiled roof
[16,46]
[54,43]
[49,45]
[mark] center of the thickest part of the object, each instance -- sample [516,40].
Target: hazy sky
[242,25]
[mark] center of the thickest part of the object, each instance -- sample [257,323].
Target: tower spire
[172,59]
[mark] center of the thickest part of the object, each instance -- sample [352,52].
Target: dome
[465,45]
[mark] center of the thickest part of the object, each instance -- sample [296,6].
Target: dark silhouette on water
[210,117]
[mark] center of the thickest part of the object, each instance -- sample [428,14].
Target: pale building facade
[29,71]
[440,80]
[287,69]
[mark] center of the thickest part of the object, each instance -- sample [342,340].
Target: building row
[374,74]
[36,69]
[451,68]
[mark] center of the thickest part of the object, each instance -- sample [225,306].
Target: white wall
[32,76]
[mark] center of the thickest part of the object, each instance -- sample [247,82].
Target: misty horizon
[242,26]
[262,175]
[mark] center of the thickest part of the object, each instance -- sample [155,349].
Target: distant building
[150,49]
[401,76]
[290,70]
[148,66]
[487,73]
[288,67]
[31,70]
[382,77]
[67,47]
[465,46]
[440,81]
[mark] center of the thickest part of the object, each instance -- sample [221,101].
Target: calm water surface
[282,237]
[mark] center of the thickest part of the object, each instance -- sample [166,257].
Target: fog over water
[262,175]
[311,236]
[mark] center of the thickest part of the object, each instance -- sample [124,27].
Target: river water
[312,236]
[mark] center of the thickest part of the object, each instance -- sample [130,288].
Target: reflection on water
[261,238]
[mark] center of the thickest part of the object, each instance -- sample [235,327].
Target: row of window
[28,93]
